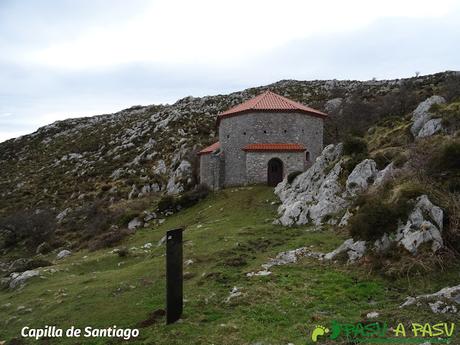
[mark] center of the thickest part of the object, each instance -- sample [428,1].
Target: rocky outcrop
[424,225]
[388,173]
[135,224]
[446,300]
[315,193]
[353,249]
[63,254]
[181,177]
[361,177]
[19,279]
[423,125]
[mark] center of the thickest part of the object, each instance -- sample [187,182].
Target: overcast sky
[69,58]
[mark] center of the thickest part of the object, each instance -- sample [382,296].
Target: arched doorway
[274,171]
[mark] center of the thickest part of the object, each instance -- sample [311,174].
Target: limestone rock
[19,279]
[134,192]
[361,177]
[438,301]
[421,115]
[60,217]
[354,250]
[384,175]
[315,193]
[135,224]
[179,178]
[431,127]
[345,218]
[63,253]
[424,224]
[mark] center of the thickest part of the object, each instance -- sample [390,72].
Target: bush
[375,217]
[167,203]
[192,197]
[354,146]
[291,177]
[123,252]
[381,160]
[447,160]
[33,227]
[108,239]
[187,199]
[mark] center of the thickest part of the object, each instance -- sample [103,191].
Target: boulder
[354,250]
[63,253]
[384,175]
[60,217]
[134,192]
[423,225]
[421,115]
[19,279]
[444,301]
[345,218]
[180,177]
[135,224]
[431,127]
[363,175]
[314,194]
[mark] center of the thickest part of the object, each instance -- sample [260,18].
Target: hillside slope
[226,236]
[146,149]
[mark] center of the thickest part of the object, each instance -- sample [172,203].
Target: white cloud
[218,33]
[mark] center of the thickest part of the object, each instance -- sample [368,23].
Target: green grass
[227,235]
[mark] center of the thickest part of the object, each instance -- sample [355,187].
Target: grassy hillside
[227,235]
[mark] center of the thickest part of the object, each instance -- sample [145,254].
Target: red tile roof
[270,102]
[279,147]
[210,149]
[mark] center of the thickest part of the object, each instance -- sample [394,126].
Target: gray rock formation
[135,224]
[354,250]
[423,225]
[19,279]
[63,253]
[421,115]
[315,193]
[361,177]
[445,300]
[431,127]
[180,177]
[385,175]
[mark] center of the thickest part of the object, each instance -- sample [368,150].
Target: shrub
[34,227]
[354,146]
[187,199]
[291,177]
[447,160]
[375,217]
[381,160]
[123,252]
[192,197]
[107,240]
[167,203]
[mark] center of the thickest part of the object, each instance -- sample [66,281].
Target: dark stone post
[174,279]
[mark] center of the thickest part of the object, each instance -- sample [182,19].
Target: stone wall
[257,164]
[212,170]
[238,131]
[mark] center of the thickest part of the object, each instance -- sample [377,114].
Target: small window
[307,156]
[265,132]
[244,133]
[285,131]
[303,130]
[228,136]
